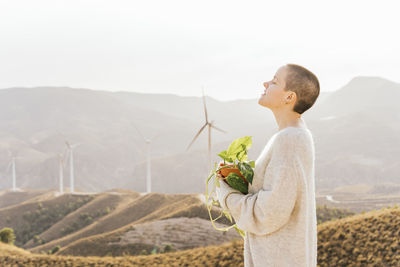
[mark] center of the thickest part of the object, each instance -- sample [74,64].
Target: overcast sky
[167,46]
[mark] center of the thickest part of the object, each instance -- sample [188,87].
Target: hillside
[33,217]
[102,205]
[95,239]
[96,226]
[104,244]
[223,255]
[48,220]
[370,239]
[180,233]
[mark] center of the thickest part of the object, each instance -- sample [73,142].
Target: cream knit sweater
[278,214]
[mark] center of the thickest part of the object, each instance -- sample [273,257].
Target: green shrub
[7,235]
[169,248]
[155,250]
[55,249]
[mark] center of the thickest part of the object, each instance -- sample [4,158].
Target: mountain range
[356,131]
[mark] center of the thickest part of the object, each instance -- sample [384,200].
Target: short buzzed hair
[305,84]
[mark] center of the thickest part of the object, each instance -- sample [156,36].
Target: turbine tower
[210,125]
[71,164]
[61,160]
[148,159]
[14,176]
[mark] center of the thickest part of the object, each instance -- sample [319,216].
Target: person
[278,215]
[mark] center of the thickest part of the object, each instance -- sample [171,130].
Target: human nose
[266,84]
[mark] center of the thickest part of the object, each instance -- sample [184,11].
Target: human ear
[292,96]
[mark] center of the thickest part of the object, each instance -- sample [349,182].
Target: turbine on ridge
[210,125]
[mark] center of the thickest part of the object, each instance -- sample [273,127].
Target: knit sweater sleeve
[269,209]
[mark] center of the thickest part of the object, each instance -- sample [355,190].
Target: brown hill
[370,239]
[33,217]
[110,215]
[103,204]
[142,238]
[223,255]
[181,233]
[11,250]
[148,208]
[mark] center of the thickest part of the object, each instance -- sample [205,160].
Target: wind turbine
[148,159]
[61,160]
[71,164]
[14,176]
[210,125]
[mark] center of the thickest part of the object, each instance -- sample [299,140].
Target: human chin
[262,101]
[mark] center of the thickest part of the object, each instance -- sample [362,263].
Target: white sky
[169,46]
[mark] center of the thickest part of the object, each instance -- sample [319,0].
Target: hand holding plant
[238,175]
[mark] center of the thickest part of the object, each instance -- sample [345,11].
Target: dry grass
[101,201]
[149,208]
[104,224]
[33,217]
[370,239]
[228,254]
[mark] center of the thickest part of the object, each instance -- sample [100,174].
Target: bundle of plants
[237,171]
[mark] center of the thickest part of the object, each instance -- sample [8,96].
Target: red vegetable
[226,171]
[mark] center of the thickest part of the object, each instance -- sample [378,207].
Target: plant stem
[209,207]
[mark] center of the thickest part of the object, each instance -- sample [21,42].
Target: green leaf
[246,170]
[252,163]
[236,182]
[242,156]
[225,156]
[238,147]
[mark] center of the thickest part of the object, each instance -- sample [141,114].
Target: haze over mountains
[356,131]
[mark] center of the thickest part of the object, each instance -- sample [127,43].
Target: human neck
[285,118]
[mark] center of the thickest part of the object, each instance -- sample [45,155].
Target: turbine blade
[9,164]
[216,128]
[198,133]
[140,133]
[205,108]
[155,136]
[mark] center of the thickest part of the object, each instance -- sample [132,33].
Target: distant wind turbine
[71,164]
[61,161]
[14,176]
[148,159]
[210,125]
